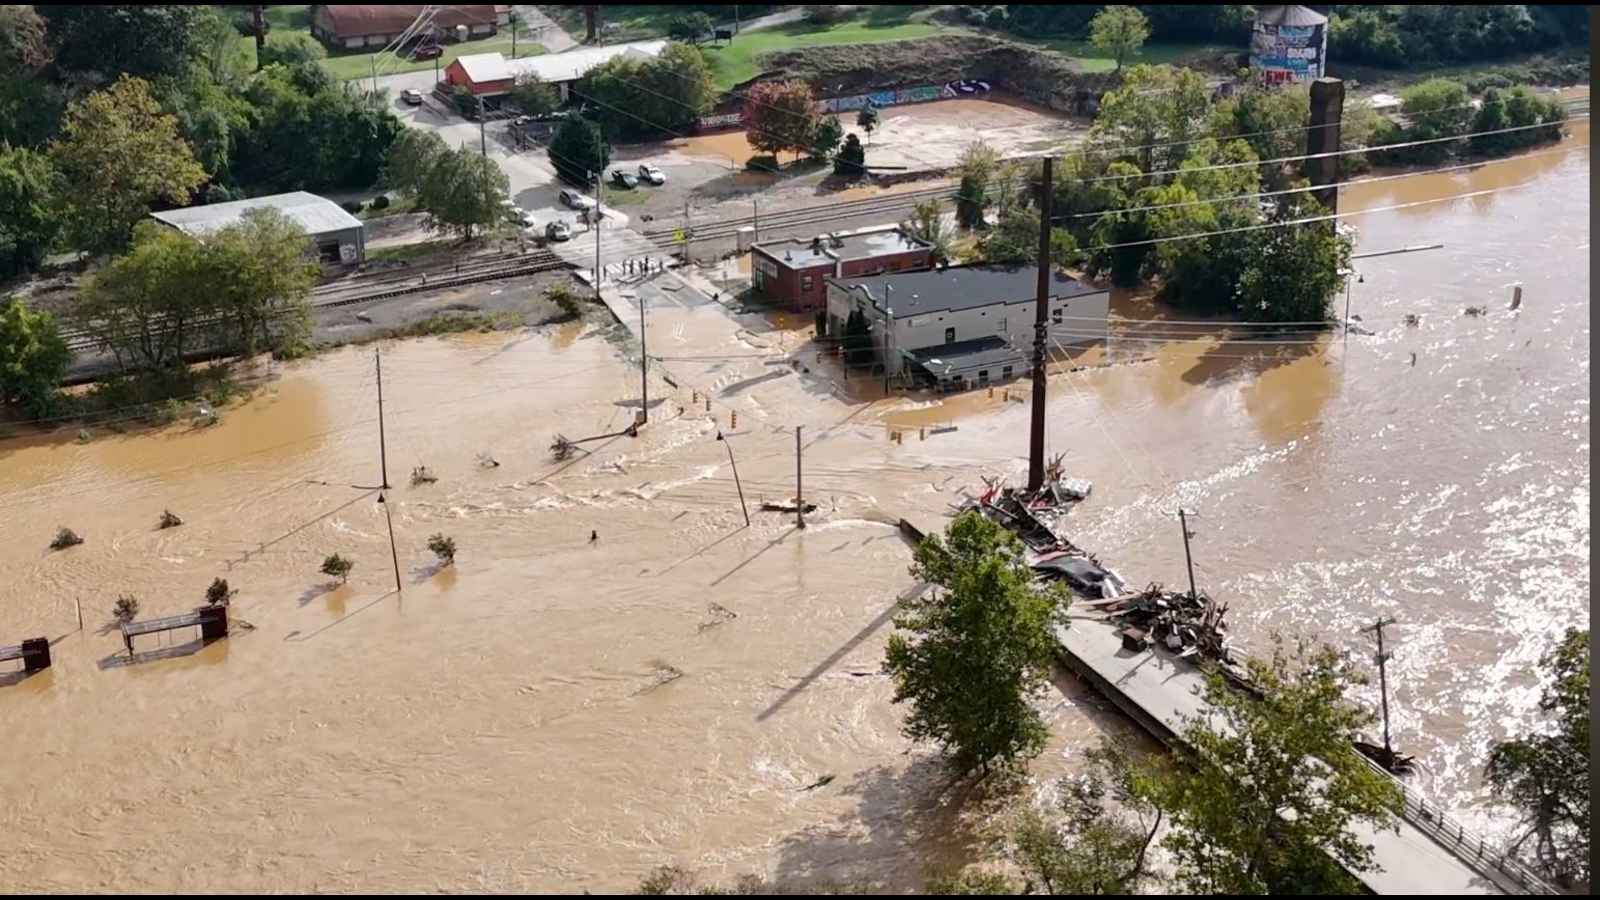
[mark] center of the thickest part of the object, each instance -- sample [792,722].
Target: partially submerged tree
[1119,32]
[867,120]
[781,116]
[927,223]
[33,358]
[422,475]
[65,537]
[851,160]
[978,165]
[1545,774]
[972,652]
[169,519]
[218,594]
[336,566]
[126,609]
[443,547]
[561,449]
[1265,791]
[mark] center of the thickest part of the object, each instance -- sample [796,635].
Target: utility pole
[735,466]
[383,447]
[1041,321]
[799,490]
[1188,560]
[756,205]
[261,33]
[374,61]
[686,232]
[1383,681]
[483,150]
[644,369]
[1322,143]
[394,555]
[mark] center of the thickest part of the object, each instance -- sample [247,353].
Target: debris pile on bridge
[1188,625]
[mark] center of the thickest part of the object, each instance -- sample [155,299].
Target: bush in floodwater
[564,299]
[218,594]
[125,609]
[338,567]
[443,547]
[421,475]
[65,537]
[169,519]
[83,435]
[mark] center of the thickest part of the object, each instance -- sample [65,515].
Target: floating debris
[822,782]
[716,615]
[561,448]
[1476,311]
[421,475]
[487,461]
[664,674]
[1411,320]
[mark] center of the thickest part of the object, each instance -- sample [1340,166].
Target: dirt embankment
[1044,78]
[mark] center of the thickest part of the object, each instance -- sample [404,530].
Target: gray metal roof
[1297,16]
[906,294]
[799,253]
[967,357]
[316,215]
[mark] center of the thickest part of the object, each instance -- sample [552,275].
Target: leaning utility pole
[1383,681]
[1041,322]
[260,32]
[644,362]
[383,447]
[1188,560]
[799,490]
[394,554]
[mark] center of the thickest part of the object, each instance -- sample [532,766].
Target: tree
[148,41]
[148,305]
[1272,122]
[534,96]
[24,44]
[120,153]
[411,158]
[1015,241]
[971,654]
[33,358]
[467,191]
[1119,32]
[927,224]
[337,566]
[641,98]
[1436,110]
[261,281]
[1545,774]
[577,152]
[827,137]
[977,167]
[867,120]
[300,130]
[690,27]
[30,220]
[126,609]
[1264,792]
[851,160]
[516,21]
[1156,112]
[443,547]
[1519,107]
[1292,272]
[291,49]
[780,116]
[218,594]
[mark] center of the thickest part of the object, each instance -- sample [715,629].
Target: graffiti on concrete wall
[878,99]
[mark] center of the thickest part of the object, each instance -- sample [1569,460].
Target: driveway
[545,30]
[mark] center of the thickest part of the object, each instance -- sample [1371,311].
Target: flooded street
[551,714]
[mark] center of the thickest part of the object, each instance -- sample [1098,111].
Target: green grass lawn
[734,62]
[1152,54]
[631,23]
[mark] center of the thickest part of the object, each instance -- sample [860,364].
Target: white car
[576,199]
[518,216]
[411,97]
[650,173]
[558,231]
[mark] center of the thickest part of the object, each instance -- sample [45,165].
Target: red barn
[484,74]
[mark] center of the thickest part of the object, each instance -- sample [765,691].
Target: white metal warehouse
[340,238]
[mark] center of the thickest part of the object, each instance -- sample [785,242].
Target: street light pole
[735,466]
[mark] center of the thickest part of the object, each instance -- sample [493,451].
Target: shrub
[218,594]
[125,609]
[443,547]
[338,567]
[380,202]
[564,299]
[65,537]
[421,475]
[351,206]
[762,162]
[169,519]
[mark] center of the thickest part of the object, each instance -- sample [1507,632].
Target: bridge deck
[1161,692]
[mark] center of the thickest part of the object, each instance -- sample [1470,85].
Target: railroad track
[387,286]
[844,209]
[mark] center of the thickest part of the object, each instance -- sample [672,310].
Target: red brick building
[484,74]
[792,271]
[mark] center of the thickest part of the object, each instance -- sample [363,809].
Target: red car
[427,51]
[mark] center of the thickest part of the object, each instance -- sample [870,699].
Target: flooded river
[553,713]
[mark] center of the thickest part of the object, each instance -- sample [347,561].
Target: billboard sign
[1287,54]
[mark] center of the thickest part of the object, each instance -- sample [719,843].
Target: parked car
[652,175]
[426,51]
[624,179]
[558,231]
[411,97]
[576,200]
[518,216]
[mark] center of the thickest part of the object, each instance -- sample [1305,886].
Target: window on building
[983,376]
[806,282]
[1005,373]
[949,335]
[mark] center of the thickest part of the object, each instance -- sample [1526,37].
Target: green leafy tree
[33,358]
[1292,272]
[1437,110]
[851,160]
[927,224]
[219,593]
[148,305]
[1264,793]
[413,156]
[468,191]
[690,27]
[443,547]
[825,141]
[262,281]
[291,49]
[1119,32]
[577,151]
[1015,241]
[534,96]
[303,131]
[1520,107]
[780,116]
[336,566]
[640,98]
[24,43]
[30,108]
[977,165]
[148,41]
[30,219]
[971,654]
[1545,774]
[868,120]
[1272,122]
[1150,119]
[120,153]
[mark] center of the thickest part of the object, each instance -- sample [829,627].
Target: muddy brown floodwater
[551,714]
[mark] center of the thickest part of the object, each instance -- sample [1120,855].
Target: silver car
[652,174]
[576,199]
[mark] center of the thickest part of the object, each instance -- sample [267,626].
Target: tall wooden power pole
[258,20]
[1041,322]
